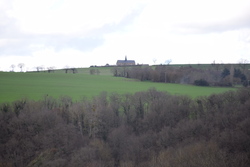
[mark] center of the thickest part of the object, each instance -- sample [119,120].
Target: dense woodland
[147,129]
[213,75]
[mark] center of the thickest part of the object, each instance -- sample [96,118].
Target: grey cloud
[80,43]
[12,40]
[24,44]
[94,37]
[214,27]
[127,20]
[14,48]
[27,44]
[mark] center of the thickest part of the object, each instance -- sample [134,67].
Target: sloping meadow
[36,85]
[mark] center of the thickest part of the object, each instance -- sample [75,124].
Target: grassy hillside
[14,86]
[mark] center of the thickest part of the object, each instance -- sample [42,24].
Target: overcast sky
[81,33]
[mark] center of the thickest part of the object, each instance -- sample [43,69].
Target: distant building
[125,62]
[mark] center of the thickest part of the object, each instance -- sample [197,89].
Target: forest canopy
[150,128]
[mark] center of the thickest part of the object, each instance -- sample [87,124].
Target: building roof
[125,61]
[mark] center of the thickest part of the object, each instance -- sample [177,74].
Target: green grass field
[14,86]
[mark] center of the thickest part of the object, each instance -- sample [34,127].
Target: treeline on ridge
[147,129]
[213,75]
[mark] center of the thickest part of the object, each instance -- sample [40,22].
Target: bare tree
[12,66]
[154,60]
[168,61]
[21,65]
[50,69]
[39,68]
[217,66]
[92,71]
[243,63]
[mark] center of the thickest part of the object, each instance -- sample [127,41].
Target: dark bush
[225,73]
[201,82]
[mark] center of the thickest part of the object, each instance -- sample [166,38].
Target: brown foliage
[149,128]
[184,74]
[194,155]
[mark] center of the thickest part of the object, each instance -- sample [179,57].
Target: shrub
[225,73]
[245,83]
[201,82]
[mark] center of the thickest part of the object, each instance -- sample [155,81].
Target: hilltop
[35,85]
